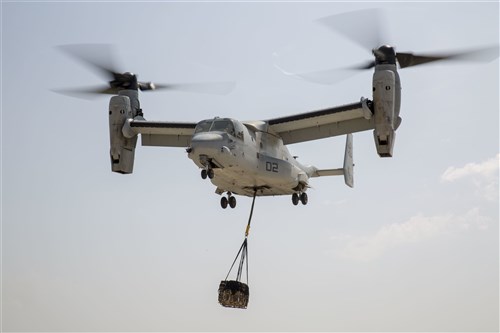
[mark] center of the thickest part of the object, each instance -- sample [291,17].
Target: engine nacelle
[122,150]
[384,96]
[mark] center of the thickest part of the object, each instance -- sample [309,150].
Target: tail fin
[347,170]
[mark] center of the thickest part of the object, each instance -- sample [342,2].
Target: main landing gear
[207,173]
[302,198]
[230,200]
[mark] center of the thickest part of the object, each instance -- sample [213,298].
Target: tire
[210,173]
[232,202]
[223,202]
[204,174]
[303,198]
[295,199]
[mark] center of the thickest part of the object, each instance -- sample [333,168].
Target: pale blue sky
[413,247]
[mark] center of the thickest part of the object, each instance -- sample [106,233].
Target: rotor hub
[385,55]
[126,80]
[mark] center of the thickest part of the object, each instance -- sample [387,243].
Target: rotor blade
[363,27]
[366,65]
[215,88]
[326,77]
[406,59]
[87,93]
[98,57]
[409,59]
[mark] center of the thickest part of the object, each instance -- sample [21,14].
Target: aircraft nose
[206,137]
[207,143]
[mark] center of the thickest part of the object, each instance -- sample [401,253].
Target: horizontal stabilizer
[347,170]
[329,172]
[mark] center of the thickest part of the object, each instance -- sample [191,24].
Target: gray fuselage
[247,157]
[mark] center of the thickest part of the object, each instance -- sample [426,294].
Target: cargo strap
[251,214]
[244,247]
[244,255]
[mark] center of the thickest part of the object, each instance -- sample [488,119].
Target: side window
[239,129]
[230,128]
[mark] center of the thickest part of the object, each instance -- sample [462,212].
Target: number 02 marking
[272,167]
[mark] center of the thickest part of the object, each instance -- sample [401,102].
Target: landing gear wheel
[204,174]
[295,199]
[223,202]
[303,198]
[210,173]
[232,202]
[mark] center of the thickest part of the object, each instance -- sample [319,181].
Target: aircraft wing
[325,123]
[162,133]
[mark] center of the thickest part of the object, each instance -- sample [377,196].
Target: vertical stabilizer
[348,162]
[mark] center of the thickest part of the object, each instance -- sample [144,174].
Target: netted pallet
[233,294]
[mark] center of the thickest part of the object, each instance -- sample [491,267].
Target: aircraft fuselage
[246,157]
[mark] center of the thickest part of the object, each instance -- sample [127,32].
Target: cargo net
[234,293]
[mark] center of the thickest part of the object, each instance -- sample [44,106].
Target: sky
[414,246]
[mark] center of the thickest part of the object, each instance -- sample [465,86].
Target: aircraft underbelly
[243,183]
[270,177]
[239,172]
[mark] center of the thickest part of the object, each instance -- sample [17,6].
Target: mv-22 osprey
[251,158]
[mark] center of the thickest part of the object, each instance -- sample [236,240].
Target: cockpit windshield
[215,125]
[203,126]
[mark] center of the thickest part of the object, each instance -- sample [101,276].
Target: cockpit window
[217,125]
[203,126]
[223,126]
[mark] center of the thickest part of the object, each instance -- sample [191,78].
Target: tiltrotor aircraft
[251,158]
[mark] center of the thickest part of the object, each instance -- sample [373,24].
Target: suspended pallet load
[234,293]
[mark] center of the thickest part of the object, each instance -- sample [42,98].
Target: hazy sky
[414,246]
